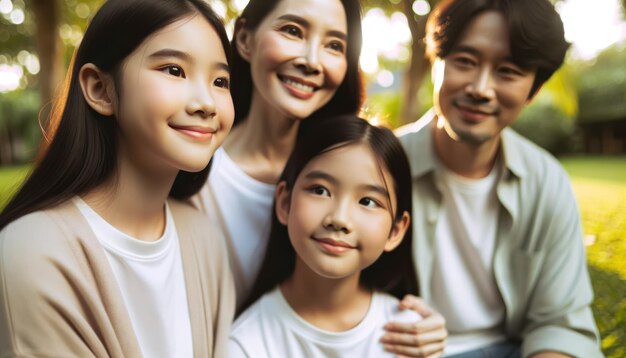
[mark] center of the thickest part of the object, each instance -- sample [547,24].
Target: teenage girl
[98,258]
[340,243]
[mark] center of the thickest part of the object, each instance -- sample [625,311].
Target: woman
[289,63]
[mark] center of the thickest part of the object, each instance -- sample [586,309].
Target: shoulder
[250,319]
[248,327]
[416,133]
[538,164]
[390,305]
[37,234]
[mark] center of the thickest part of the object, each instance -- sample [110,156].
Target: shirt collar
[423,158]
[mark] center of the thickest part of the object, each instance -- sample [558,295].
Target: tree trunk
[47,17]
[418,65]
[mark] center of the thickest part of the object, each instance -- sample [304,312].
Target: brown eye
[369,202]
[222,82]
[292,30]
[174,70]
[337,46]
[319,190]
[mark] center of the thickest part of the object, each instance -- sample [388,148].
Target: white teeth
[299,86]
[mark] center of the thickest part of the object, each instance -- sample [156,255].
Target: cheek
[335,68]
[225,109]
[273,51]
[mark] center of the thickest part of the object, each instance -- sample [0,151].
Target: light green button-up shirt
[539,260]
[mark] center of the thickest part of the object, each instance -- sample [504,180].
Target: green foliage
[545,124]
[19,112]
[601,86]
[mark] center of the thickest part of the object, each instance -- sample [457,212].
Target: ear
[283,201]
[436,71]
[397,232]
[98,89]
[243,39]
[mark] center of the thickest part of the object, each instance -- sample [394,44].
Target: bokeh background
[579,115]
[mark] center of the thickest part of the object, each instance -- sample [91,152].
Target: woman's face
[297,56]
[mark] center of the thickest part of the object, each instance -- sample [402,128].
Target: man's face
[478,89]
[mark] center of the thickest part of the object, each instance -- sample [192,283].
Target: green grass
[600,187]
[10,179]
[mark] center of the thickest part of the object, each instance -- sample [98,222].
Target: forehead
[487,32]
[353,163]
[328,12]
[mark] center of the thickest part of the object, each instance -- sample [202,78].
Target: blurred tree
[418,65]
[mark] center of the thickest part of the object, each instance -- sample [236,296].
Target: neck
[331,304]
[466,159]
[262,143]
[134,200]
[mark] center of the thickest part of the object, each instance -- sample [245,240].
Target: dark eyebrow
[168,52]
[475,52]
[303,22]
[317,174]
[185,57]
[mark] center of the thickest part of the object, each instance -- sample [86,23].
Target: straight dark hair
[393,272]
[79,149]
[536,33]
[350,94]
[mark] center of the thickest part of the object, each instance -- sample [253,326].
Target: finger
[428,351]
[435,322]
[414,340]
[416,304]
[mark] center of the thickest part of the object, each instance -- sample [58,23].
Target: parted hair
[393,272]
[350,94]
[536,33]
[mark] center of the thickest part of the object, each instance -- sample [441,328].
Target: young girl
[95,260]
[340,237]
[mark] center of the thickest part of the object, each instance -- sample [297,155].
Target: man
[498,242]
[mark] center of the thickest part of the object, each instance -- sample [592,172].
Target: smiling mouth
[297,87]
[334,247]
[474,114]
[196,132]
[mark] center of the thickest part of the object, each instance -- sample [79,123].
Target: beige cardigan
[59,298]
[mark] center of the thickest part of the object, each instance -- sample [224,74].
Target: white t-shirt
[463,285]
[271,328]
[150,278]
[246,207]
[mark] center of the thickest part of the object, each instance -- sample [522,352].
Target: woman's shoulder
[34,234]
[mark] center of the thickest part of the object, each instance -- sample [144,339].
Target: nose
[338,218]
[201,102]
[482,86]
[309,61]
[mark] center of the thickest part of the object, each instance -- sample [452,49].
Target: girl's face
[338,215]
[175,107]
[297,56]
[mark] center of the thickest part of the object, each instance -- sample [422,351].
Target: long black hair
[350,94]
[393,272]
[79,150]
[536,33]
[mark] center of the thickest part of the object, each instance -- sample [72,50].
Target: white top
[150,278]
[271,328]
[463,285]
[246,207]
